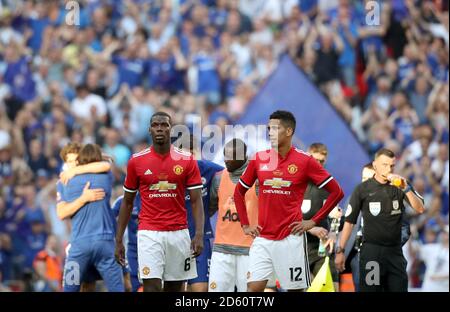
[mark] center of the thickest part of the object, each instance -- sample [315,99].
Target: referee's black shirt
[382,208]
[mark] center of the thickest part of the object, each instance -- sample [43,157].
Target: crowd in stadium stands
[100,81]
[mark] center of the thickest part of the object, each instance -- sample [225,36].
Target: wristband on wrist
[408,188]
[339,250]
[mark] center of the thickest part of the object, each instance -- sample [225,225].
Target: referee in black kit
[382,265]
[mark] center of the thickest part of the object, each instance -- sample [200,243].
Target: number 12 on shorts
[295,274]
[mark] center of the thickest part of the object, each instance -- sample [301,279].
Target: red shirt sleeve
[193,177]
[239,201]
[131,183]
[249,176]
[334,196]
[317,174]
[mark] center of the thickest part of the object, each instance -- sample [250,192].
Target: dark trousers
[382,269]
[352,265]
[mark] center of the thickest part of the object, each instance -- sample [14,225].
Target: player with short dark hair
[381,203]
[161,174]
[283,173]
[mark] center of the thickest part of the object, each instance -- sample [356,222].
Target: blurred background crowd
[100,81]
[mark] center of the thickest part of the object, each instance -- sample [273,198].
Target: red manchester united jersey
[282,184]
[162,181]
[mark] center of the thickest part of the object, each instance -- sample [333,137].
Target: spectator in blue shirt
[131,68]
[18,77]
[348,32]
[206,63]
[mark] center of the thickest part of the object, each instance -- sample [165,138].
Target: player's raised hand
[298,227]
[119,253]
[253,231]
[197,245]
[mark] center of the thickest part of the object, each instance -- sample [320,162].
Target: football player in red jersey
[161,174]
[279,248]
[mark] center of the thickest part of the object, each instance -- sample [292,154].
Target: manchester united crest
[292,169]
[146,271]
[178,169]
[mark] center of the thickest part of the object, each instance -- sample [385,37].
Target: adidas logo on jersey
[148,172]
[264,167]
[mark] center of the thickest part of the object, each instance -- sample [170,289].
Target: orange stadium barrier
[346,283]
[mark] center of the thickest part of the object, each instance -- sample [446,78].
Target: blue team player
[208,170]
[132,256]
[93,229]
[69,156]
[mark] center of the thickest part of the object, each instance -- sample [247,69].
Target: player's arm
[126,208]
[115,207]
[199,219]
[194,186]
[351,217]
[66,209]
[214,195]
[319,176]
[214,190]
[344,236]
[324,180]
[414,199]
[245,183]
[95,167]
[130,187]
[319,232]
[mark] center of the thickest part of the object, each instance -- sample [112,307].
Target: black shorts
[382,268]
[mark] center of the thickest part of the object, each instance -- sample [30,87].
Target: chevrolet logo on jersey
[163,186]
[277,183]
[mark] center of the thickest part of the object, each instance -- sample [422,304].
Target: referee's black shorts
[382,268]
